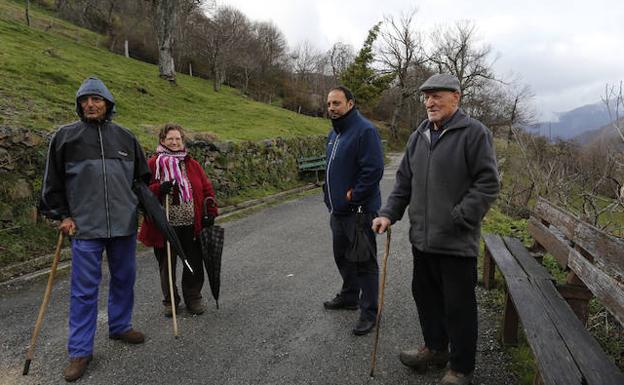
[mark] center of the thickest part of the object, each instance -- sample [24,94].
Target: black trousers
[443,287]
[192,283]
[360,281]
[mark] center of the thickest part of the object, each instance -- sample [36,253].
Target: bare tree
[614,101]
[340,56]
[28,13]
[456,52]
[401,50]
[165,15]
[226,30]
[306,60]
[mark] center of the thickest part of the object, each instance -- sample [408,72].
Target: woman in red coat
[176,174]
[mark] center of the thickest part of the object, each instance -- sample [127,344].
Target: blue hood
[94,86]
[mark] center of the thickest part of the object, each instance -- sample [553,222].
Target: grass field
[41,68]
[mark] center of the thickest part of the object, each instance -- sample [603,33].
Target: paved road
[271,327]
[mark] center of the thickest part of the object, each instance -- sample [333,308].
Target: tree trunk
[27,13]
[396,116]
[165,22]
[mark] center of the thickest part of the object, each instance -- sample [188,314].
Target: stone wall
[232,167]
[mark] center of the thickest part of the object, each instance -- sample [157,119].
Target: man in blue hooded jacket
[354,169]
[87,185]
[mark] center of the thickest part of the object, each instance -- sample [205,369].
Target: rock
[223,147]
[20,190]
[32,139]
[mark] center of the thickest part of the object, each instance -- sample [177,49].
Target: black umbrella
[211,238]
[156,214]
[362,246]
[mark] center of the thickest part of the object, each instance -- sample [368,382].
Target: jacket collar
[344,122]
[458,120]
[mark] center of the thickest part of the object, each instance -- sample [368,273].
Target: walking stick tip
[26,367]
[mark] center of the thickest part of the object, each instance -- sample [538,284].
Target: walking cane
[44,304]
[173,304]
[381,301]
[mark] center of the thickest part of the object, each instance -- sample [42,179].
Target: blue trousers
[85,281]
[360,281]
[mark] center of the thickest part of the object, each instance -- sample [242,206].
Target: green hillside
[41,68]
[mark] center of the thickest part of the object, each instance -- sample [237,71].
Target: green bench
[311,164]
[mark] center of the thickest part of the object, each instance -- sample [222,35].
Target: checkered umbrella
[211,238]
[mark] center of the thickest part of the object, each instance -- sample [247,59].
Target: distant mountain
[605,134]
[575,122]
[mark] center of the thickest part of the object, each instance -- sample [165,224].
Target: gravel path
[271,328]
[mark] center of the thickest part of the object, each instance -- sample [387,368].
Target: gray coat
[90,171]
[448,188]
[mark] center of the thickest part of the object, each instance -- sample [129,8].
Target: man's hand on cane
[68,226]
[381,224]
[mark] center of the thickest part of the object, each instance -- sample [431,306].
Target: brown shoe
[456,378]
[421,359]
[76,368]
[131,337]
[196,307]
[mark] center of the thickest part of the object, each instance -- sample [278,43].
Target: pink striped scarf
[168,170]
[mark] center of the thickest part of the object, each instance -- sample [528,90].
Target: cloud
[565,50]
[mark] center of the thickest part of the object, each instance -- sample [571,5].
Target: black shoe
[363,327]
[338,303]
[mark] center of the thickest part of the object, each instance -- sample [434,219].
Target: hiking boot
[76,368]
[363,327]
[456,378]
[196,307]
[421,359]
[339,303]
[130,337]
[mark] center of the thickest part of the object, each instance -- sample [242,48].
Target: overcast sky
[566,51]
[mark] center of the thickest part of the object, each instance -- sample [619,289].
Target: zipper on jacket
[427,198]
[108,229]
[331,158]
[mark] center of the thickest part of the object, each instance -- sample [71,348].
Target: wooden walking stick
[381,301]
[44,304]
[173,304]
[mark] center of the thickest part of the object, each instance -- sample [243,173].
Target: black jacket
[448,187]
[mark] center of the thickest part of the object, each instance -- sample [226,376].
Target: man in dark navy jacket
[354,169]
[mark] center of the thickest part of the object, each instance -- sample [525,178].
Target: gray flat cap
[441,82]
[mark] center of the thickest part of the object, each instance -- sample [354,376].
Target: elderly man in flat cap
[448,177]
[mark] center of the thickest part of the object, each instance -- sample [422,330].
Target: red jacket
[149,235]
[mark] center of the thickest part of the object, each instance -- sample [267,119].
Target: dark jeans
[192,283]
[444,290]
[360,281]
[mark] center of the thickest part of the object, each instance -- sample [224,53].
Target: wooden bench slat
[606,249]
[313,164]
[592,361]
[504,260]
[556,246]
[556,364]
[528,263]
[609,291]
